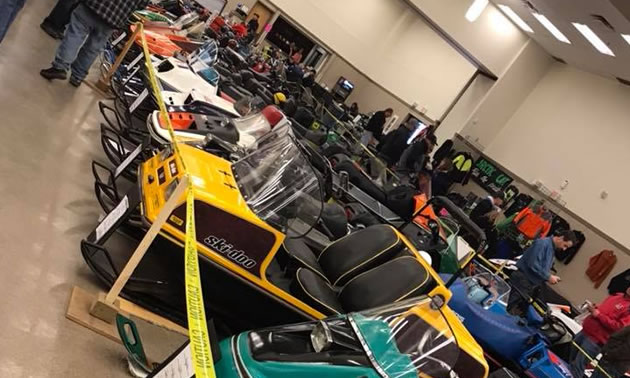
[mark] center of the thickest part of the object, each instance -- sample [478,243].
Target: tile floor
[49,137]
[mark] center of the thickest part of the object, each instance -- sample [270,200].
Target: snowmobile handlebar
[461,217]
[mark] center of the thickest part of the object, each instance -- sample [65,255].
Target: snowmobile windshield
[202,62]
[280,185]
[408,339]
[487,289]
[255,125]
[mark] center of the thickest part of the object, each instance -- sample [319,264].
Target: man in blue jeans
[8,11]
[91,25]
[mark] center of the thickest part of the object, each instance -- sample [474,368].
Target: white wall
[507,95]
[574,126]
[492,38]
[367,94]
[459,115]
[390,43]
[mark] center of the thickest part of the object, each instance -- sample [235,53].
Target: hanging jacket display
[533,223]
[558,224]
[600,265]
[567,255]
[619,283]
[462,164]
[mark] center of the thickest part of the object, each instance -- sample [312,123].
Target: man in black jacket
[374,127]
[91,24]
[416,156]
[396,142]
[479,214]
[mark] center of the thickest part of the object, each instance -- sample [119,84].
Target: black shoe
[75,82]
[56,34]
[53,73]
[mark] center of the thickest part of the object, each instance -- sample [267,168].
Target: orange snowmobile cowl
[179,120]
[158,44]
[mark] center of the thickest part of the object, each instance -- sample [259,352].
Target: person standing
[297,57]
[479,214]
[252,25]
[612,315]
[534,269]
[374,127]
[9,9]
[415,157]
[395,142]
[55,24]
[91,24]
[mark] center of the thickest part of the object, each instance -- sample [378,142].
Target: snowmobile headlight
[321,337]
[170,188]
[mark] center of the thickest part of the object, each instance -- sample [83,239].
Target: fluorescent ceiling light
[552,28]
[475,10]
[515,18]
[593,39]
[626,37]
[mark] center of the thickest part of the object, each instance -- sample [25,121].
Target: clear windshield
[255,125]
[408,339]
[486,289]
[207,54]
[279,184]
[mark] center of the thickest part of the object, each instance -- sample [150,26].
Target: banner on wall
[489,176]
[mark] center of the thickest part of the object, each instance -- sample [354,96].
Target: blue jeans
[577,358]
[85,38]
[8,11]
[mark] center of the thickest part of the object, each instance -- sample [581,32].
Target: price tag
[110,220]
[128,160]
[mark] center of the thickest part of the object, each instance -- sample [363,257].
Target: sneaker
[56,34]
[53,73]
[75,82]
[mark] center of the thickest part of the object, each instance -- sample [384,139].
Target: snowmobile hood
[177,76]
[211,176]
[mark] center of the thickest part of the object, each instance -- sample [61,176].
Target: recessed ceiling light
[515,18]
[593,39]
[626,37]
[475,10]
[552,28]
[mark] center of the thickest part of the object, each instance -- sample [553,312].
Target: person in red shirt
[610,316]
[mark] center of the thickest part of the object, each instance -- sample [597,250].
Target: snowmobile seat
[398,279]
[360,251]
[300,255]
[316,292]
[290,107]
[361,180]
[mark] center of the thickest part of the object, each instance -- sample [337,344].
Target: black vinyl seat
[358,252]
[396,280]
[365,269]
[363,182]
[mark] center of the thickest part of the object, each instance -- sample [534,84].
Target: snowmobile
[532,346]
[252,216]
[414,338]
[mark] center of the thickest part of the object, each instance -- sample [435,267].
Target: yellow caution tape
[195,309]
